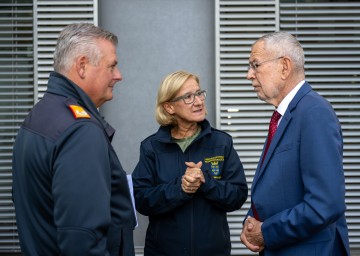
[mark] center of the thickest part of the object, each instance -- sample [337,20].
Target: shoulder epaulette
[79,112]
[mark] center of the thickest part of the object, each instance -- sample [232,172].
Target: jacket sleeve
[230,192]
[81,190]
[320,160]
[152,198]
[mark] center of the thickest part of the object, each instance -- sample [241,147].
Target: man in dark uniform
[70,191]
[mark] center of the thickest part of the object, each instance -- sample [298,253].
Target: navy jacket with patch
[70,192]
[179,223]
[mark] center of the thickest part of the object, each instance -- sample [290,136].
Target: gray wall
[155,38]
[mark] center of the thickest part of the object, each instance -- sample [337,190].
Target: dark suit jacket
[299,191]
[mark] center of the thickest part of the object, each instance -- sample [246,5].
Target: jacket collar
[164,132]
[61,85]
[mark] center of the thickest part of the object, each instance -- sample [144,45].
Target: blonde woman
[188,176]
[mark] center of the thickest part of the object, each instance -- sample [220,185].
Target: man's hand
[251,235]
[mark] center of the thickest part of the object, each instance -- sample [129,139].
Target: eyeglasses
[254,66]
[189,98]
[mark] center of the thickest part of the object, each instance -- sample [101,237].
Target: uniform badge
[79,112]
[214,161]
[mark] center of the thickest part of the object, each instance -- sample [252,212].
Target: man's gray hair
[79,39]
[285,44]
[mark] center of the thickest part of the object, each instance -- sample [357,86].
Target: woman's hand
[192,178]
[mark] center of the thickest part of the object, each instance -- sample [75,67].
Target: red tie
[272,129]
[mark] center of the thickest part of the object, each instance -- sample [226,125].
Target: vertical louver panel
[239,112]
[51,17]
[16,98]
[28,32]
[330,34]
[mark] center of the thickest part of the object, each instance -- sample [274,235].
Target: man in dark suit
[298,192]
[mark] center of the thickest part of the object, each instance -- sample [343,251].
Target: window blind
[239,112]
[51,17]
[16,98]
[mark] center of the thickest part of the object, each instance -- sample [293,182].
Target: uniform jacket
[181,224]
[70,192]
[299,191]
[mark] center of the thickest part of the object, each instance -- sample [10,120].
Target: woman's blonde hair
[168,89]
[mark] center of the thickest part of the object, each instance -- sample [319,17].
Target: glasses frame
[254,65]
[201,94]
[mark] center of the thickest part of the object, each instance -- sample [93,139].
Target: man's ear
[287,66]
[169,108]
[81,63]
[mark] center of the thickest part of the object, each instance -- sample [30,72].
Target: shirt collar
[286,101]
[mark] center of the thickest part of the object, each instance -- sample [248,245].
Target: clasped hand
[251,235]
[193,177]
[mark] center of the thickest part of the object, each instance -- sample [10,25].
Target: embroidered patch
[214,161]
[79,112]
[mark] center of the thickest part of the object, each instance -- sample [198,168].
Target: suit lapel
[279,132]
